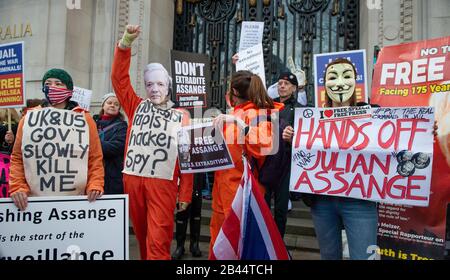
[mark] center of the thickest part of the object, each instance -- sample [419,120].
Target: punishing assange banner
[65,228]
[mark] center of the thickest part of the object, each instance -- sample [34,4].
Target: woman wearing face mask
[243,134]
[331,214]
[153,192]
[112,130]
[57,86]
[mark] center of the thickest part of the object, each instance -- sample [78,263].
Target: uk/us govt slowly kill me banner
[201,148]
[377,154]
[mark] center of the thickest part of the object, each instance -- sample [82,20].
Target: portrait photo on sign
[341,82]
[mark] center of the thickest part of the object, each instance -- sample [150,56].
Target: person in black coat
[112,130]
[287,87]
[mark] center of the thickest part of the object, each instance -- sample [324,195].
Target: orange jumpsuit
[227,181]
[152,200]
[95,179]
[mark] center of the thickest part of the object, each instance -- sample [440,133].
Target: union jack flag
[249,232]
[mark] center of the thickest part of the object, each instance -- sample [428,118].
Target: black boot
[180,236]
[195,237]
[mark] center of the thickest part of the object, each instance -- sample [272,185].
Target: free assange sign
[65,228]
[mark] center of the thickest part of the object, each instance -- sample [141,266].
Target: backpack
[277,165]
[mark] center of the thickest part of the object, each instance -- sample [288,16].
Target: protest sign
[358,58]
[152,146]
[251,34]
[12,79]
[252,59]
[65,228]
[55,148]
[4,176]
[417,74]
[378,154]
[83,97]
[191,79]
[200,149]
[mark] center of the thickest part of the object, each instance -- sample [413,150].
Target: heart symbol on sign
[328,113]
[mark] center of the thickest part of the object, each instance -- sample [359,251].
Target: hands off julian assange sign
[378,154]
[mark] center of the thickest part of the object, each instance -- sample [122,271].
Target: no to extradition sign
[65,228]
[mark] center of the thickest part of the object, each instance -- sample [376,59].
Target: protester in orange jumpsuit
[242,134]
[153,197]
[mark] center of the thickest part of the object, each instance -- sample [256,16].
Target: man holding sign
[57,150]
[151,171]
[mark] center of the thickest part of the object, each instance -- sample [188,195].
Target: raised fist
[130,34]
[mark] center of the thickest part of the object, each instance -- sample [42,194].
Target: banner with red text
[418,74]
[377,154]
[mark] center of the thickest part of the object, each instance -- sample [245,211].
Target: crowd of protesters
[156,197]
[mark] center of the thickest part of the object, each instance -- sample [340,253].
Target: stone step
[300,233]
[297,242]
[296,254]
[296,226]
[292,241]
[206,203]
[299,209]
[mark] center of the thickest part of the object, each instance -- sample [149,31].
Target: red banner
[408,75]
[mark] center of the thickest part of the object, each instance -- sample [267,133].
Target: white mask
[340,82]
[156,86]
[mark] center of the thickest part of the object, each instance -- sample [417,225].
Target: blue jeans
[358,217]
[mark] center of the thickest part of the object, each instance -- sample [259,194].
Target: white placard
[251,34]
[252,59]
[55,152]
[83,97]
[65,228]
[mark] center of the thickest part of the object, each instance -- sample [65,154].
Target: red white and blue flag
[249,232]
